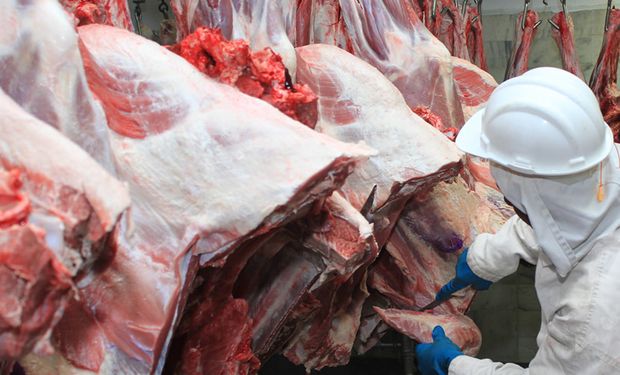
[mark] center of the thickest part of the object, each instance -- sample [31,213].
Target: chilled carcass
[262,23]
[419,326]
[389,36]
[605,74]
[164,115]
[412,155]
[261,74]
[525,31]
[448,25]
[473,34]
[563,34]
[41,69]
[105,12]
[55,224]
[421,253]
[321,21]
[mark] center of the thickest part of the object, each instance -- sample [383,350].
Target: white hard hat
[545,122]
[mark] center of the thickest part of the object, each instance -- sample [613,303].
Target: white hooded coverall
[574,242]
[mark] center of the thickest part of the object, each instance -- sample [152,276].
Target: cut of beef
[164,116]
[605,74]
[475,43]
[321,21]
[105,12]
[260,74]
[448,26]
[262,23]
[563,34]
[41,69]
[54,225]
[419,326]
[474,86]
[524,36]
[389,36]
[412,155]
[422,251]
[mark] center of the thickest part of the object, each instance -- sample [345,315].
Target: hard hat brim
[468,140]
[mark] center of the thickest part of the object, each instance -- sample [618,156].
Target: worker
[554,159]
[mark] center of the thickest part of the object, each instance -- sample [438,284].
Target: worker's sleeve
[495,256]
[465,365]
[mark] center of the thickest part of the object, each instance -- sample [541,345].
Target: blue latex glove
[464,278]
[435,358]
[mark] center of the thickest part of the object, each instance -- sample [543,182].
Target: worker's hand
[434,358]
[464,278]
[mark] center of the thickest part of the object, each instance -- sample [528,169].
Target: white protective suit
[575,243]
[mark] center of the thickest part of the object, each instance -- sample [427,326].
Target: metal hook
[607,15]
[563,2]
[545,2]
[465,4]
[526,5]
[434,10]
[555,25]
[537,24]
[163,8]
[480,10]
[138,13]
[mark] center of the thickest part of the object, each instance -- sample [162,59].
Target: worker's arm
[495,256]
[466,365]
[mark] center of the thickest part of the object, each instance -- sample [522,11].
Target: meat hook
[163,8]
[537,24]
[607,15]
[479,4]
[526,5]
[434,10]
[555,25]
[563,2]
[138,14]
[465,2]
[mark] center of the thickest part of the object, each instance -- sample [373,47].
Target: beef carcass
[473,34]
[105,12]
[448,25]
[262,23]
[267,283]
[412,155]
[321,21]
[257,73]
[474,86]
[419,326]
[41,69]
[389,36]
[164,115]
[55,223]
[605,74]
[525,31]
[563,34]
[422,251]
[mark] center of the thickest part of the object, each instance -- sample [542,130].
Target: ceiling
[515,6]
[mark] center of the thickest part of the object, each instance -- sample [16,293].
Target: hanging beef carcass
[412,158]
[448,24]
[272,286]
[527,24]
[41,69]
[421,253]
[55,225]
[563,35]
[164,115]
[262,23]
[605,74]
[261,73]
[473,34]
[321,21]
[389,36]
[105,12]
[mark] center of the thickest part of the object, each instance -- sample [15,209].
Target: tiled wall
[499,33]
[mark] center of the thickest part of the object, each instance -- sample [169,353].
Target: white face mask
[565,212]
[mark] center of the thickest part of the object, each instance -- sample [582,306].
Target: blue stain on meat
[433,230]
